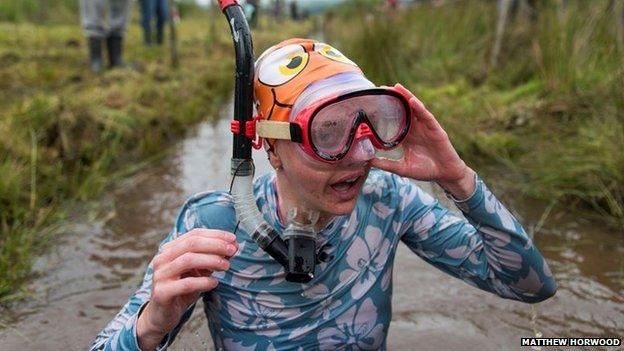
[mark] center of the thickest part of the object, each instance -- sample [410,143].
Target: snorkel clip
[250,131]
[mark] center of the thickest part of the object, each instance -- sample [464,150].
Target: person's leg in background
[162,15]
[253,22]
[92,14]
[147,12]
[120,11]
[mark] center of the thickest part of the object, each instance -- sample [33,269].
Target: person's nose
[361,151]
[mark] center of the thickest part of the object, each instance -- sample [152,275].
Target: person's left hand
[429,154]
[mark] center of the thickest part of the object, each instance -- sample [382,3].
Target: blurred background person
[278,10]
[294,11]
[252,7]
[392,4]
[93,16]
[153,12]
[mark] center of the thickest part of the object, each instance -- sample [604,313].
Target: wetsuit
[348,303]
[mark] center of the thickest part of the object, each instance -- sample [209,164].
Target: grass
[66,134]
[38,11]
[548,117]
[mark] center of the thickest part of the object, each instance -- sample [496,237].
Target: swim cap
[341,83]
[285,70]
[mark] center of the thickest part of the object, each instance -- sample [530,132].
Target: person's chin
[344,203]
[347,209]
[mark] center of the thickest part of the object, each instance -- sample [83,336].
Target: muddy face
[331,189]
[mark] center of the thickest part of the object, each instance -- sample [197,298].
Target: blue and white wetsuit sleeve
[120,333]
[489,250]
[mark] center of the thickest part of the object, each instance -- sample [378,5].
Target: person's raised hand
[429,154]
[182,271]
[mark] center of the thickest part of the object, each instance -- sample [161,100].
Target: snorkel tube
[298,257]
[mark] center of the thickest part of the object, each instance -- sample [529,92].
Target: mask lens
[332,126]
[330,129]
[387,117]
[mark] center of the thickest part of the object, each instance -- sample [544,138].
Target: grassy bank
[548,117]
[66,134]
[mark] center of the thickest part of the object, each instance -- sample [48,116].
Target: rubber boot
[147,36]
[160,34]
[95,54]
[115,46]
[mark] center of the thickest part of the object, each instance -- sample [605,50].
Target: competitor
[323,122]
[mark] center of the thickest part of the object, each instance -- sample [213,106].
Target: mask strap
[279,130]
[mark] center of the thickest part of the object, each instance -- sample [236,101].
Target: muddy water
[84,280]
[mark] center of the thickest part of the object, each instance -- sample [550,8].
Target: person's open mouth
[348,186]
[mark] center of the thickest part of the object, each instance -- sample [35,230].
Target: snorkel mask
[327,129]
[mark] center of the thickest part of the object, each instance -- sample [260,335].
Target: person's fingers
[203,272]
[197,273]
[195,243]
[403,89]
[419,111]
[198,244]
[393,166]
[191,261]
[165,293]
[411,95]
[212,233]
[206,233]
[423,115]
[430,121]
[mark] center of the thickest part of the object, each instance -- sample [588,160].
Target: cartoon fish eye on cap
[281,65]
[286,69]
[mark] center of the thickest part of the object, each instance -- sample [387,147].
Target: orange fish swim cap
[285,70]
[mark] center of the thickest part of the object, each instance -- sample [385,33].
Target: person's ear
[274,159]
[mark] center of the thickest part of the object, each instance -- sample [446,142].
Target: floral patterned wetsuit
[348,303]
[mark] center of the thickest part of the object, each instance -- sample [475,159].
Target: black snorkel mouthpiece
[300,237]
[297,253]
[301,259]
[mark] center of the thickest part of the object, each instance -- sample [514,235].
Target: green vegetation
[60,11]
[65,133]
[548,118]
